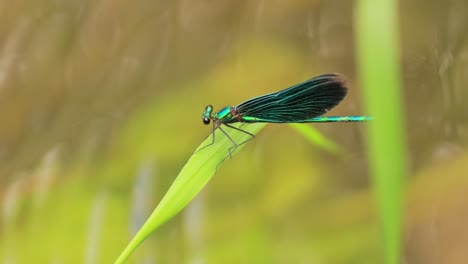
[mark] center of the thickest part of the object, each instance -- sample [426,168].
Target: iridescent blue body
[305,102]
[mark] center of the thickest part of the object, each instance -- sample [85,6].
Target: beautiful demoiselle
[302,103]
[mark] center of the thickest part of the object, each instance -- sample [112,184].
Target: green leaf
[377,42]
[196,173]
[314,137]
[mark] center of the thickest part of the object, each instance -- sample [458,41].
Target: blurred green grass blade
[377,43]
[192,178]
[316,138]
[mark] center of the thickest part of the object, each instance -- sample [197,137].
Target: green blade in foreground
[192,178]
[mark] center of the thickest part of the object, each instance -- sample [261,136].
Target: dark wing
[302,101]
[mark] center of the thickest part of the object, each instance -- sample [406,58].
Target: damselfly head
[207,114]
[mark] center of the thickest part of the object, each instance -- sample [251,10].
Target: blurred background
[100,108]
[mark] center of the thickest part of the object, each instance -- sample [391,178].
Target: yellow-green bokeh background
[100,107]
